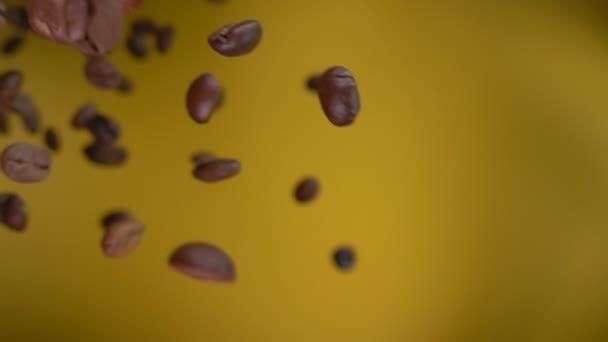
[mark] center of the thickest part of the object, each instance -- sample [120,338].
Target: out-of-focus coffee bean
[144,26]
[13,212]
[125,86]
[113,218]
[10,85]
[12,44]
[339,96]
[203,261]
[18,17]
[102,73]
[104,129]
[236,39]
[83,115]
[344,257]
[24,106]
[3,123]
[217,170]
[130,5]
[26,163]
[312,83]
[105,154]
[51,138]
[137,45]
[307,190]
[202,98]
[202,158]
[122,237]
[164,39]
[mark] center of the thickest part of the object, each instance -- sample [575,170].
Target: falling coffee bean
[84,114]
[144,26]
[105,154]
[203,97]
[339,96]
[122,237]
[236,39]
[345,258]
[137,46]
[217,170]
[12,44]
[312,83]
[125,86]
[307,190]
[202,158]
[102,73]
[203,261]
[13,212]
[164,39]
[10,85]
[18,17]
[26,163]
[113,218]
[104,129]
[51,138]
[24,106]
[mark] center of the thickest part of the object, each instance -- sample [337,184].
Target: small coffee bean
[113,218]
[24,106]
[137,46]
[105,154]
[144,26]
[164,39]
[307,190]
[104,129]
[312,83]
[125,87]
[236,39]
[203,97]
[122,237]
[10,85]
[26,163]
[13,212]
[217,170]
[17,16]
[344,257]
[51,138]
[12,44]
[3,123]
[339,96]
[203,261]
[84,114]
[202,158]
[102,73]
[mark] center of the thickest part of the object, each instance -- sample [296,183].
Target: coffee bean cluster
[94,28]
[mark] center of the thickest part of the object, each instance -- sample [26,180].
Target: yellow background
[473,185]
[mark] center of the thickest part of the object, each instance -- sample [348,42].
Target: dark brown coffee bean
[105,154]
[137,45]
[102,73]
[104,129]
[26,163]
[17,16]
[307,190]
[202,158]
[203,261]
[3,123]
[105,27]
[144,26]
[202,98]
[217,170]
[13,212]
[10,85]
[125,87]
[312,83]
[339,96]
[84,114]
[236,39]
[113,218]
[13,44]
[51,138]
[122,237]
[24,106]
[344,257]
[164,39]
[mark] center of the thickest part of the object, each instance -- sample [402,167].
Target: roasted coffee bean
[312,83]
[26,163]
[307,190]
[51,138]
[13,44]
[202,158]
[203,97]
[125,87]
[3,123]
[113,218]
[84,114]
[122,237]
[10,85]
[102,73]
[104,129]
[17,16]
[105,154]
[236,39]
[217,170]
[164,39]
[13,212]
[137,45]
[25,107]
[339,96]
[144,26]
[345,258]
[203,261]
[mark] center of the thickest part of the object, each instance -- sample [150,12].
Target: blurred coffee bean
[10,85]
[203,97]
[104,129]
[202,158]
[339,96]
[3,123]
[217,170]
[12,44]
[24,106]
[18,17]
[13,212]
[125,86]
[26,163]
[164,39]
[84,114]
[113,218]
[345,258]
[307,190]
[137,45]
[236,39]
[51,138]
[312,83]
[203,261]
[102,73]
[105,154]
[122,237]
[144,26]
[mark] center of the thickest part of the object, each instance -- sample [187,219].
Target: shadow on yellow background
[473,185]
